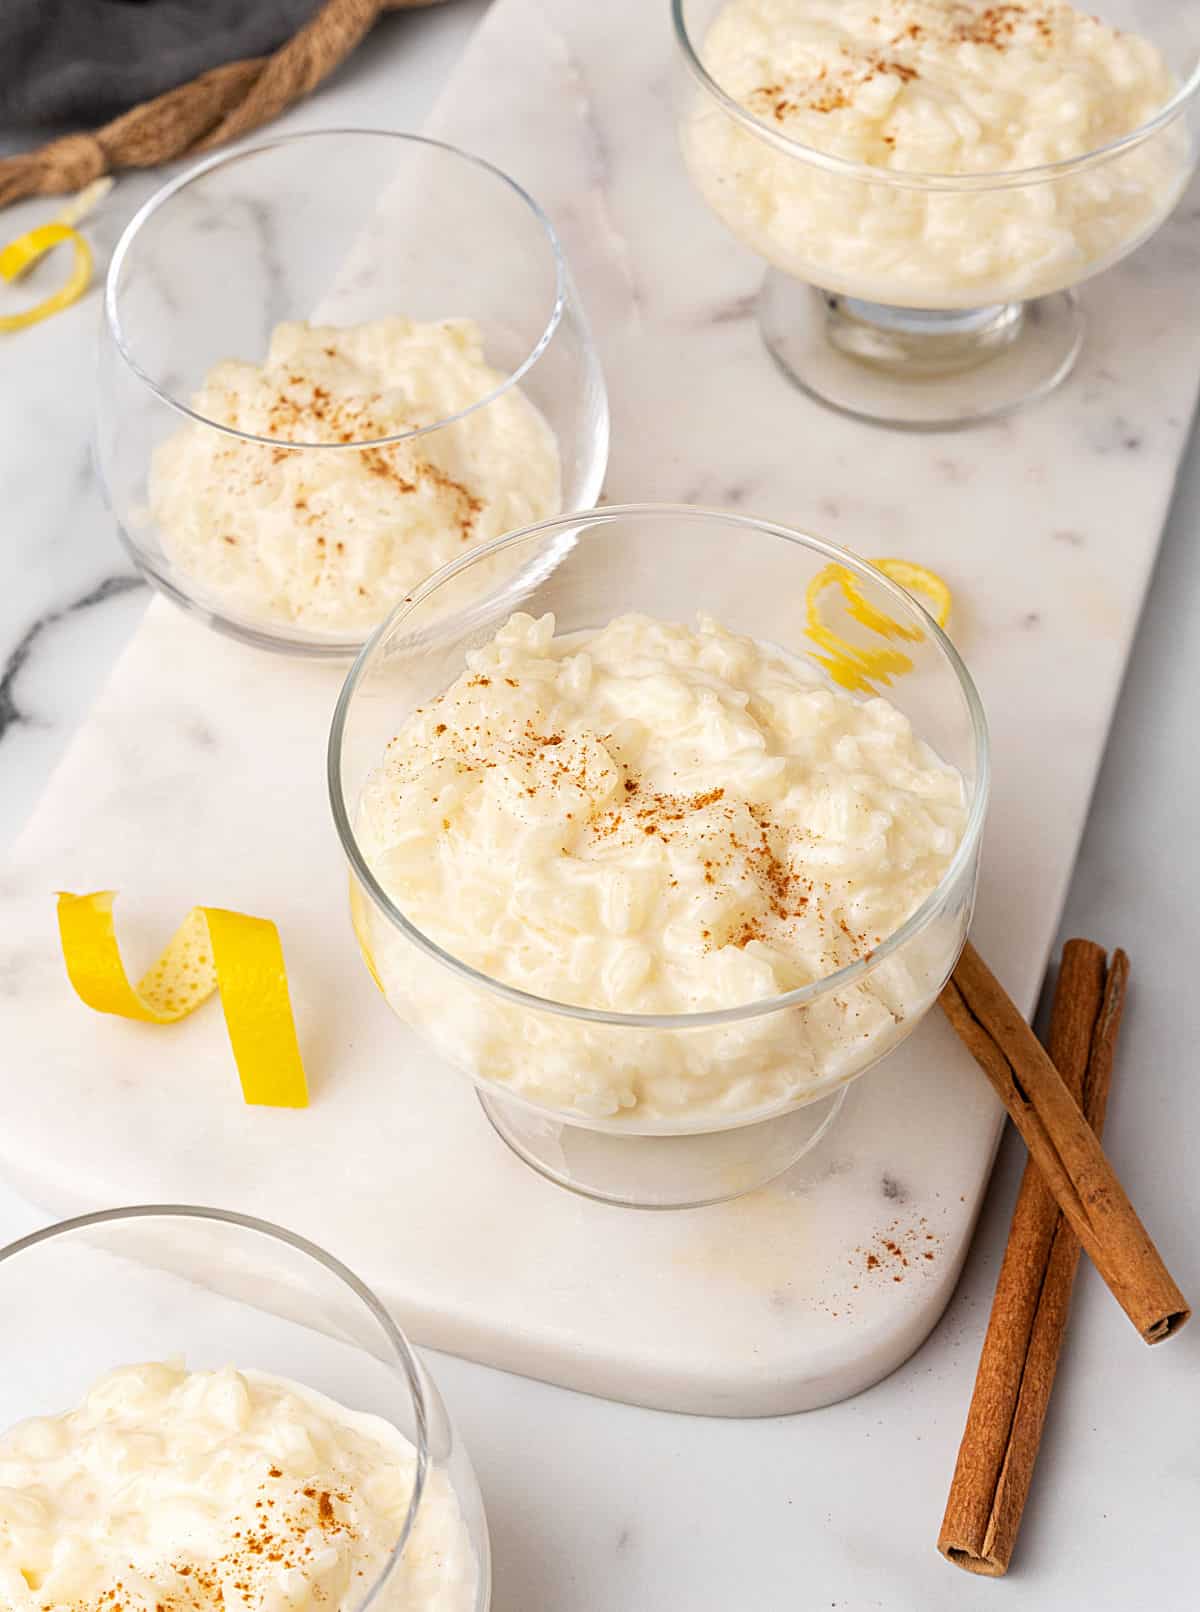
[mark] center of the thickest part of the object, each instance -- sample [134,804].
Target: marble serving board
[199,777]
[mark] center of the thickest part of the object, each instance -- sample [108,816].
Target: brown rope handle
[220,105]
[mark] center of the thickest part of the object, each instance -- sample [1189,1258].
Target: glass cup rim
[166,193]
[405,1358]
[607,514]
[847,167]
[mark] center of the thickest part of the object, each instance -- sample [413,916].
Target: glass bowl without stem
[158,1282]
[304,546]
[931,300]
[528,1054]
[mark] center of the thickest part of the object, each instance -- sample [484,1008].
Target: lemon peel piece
[860,667]
[920,579]
[213,949]
[19,256]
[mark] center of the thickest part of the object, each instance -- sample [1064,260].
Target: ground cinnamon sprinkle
[283,1541]
[992,28]
[306,413]
[731,855]
[907,74]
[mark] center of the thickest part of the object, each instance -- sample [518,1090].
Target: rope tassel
[220,105]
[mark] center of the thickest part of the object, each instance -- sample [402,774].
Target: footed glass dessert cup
[929,300]
[289,485]
[674,564]
[202,1290]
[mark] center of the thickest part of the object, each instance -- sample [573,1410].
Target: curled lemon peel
[213,949]
[19,256]
[859,667]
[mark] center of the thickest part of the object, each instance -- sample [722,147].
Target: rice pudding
[330,537]
[177,1491]
[657,819]
[932,87]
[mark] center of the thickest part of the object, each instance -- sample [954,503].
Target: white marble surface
[779,1302]
[199,754]
[602,1506]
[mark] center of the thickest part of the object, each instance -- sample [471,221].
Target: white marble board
[199,777]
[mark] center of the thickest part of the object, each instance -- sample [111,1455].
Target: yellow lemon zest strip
[85,201]
[920,579]
[212,949]
[859,667]
[19,256]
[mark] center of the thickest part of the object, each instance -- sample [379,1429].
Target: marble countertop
[598,1506]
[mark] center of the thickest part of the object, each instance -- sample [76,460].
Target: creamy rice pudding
[945,87]
[332,537]
[657,819]
[177,1491]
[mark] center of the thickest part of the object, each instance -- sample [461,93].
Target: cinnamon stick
[1064,1148]
[1033,1292]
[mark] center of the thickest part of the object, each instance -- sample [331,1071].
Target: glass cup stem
[660,1172]
[920,341]
[918,368]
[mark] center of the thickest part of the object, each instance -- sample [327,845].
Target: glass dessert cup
[159,1282]
[937,332]
[338,227]
[661,561]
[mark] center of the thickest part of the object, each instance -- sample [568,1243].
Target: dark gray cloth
[83,61]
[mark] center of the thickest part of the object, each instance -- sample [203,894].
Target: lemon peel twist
[19,256]
[860,667]
[213,949]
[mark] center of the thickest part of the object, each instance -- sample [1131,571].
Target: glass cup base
[660,1172]
[918,369]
